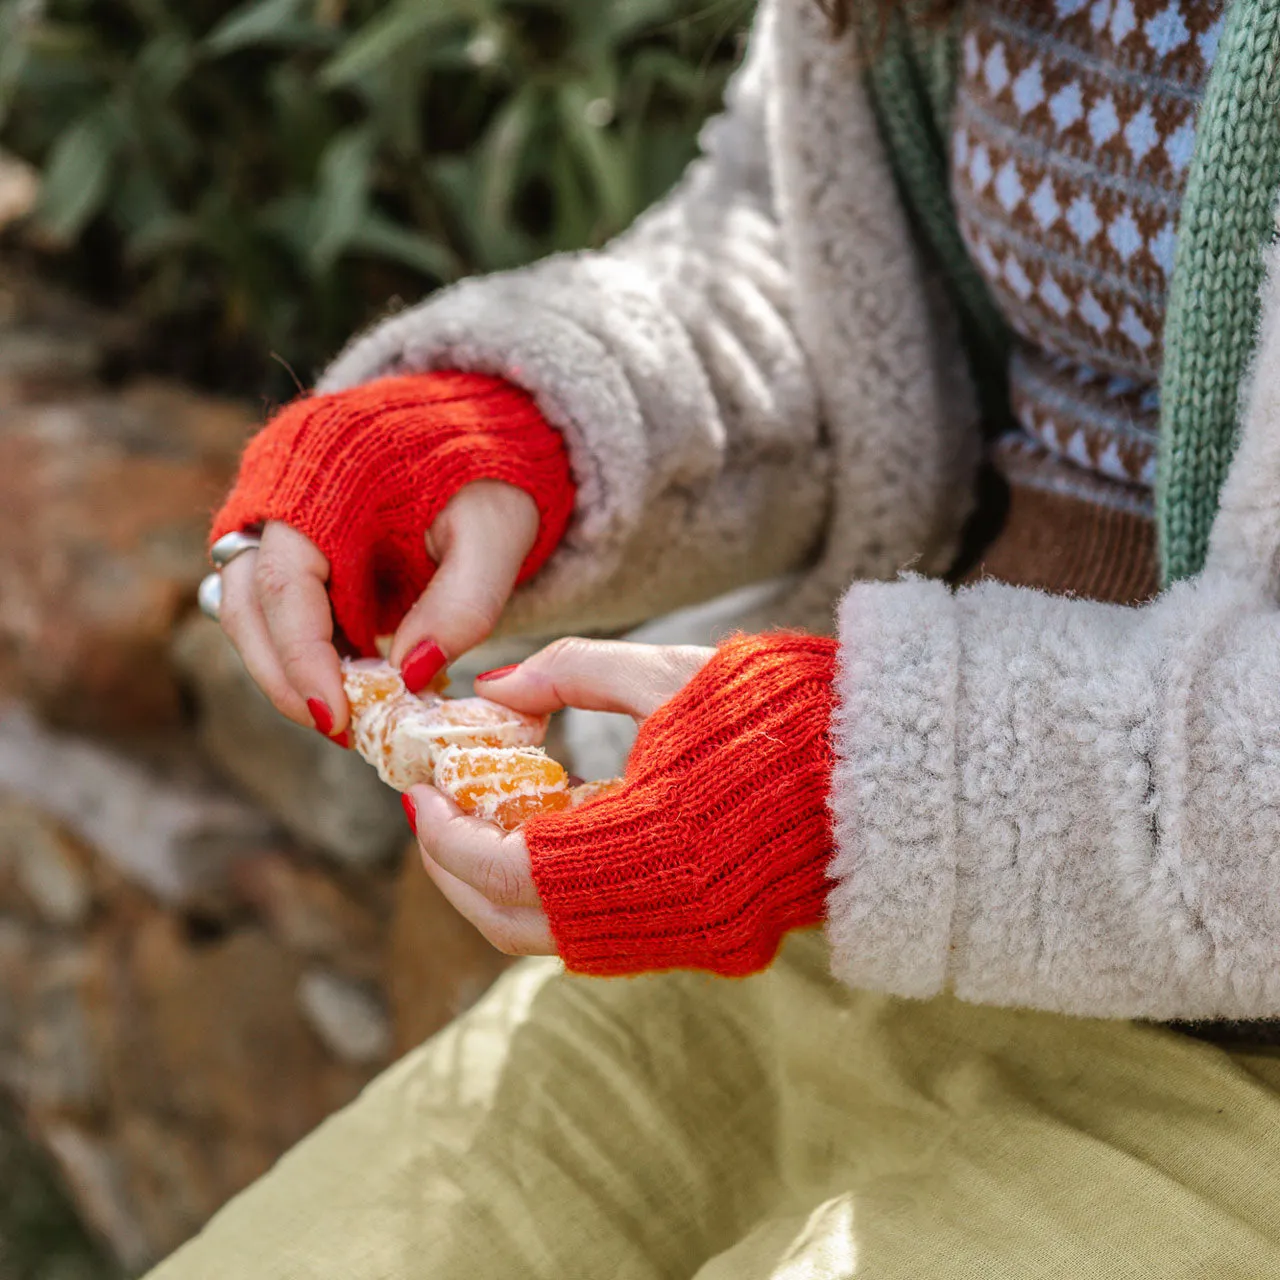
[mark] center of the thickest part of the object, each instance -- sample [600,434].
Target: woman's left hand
[486,873]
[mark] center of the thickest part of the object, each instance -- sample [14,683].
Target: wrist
[718,842]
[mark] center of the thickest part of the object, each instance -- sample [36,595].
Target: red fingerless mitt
[363,473]
[718,842]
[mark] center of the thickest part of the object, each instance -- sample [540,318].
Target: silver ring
[230,545]
[209,596]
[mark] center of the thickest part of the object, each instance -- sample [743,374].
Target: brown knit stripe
[1070,546]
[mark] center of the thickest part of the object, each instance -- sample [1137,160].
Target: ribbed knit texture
[1211,325]
[717,844]
[363,473]
[912,86]
[1069,534]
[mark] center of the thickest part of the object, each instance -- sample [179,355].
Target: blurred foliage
[265,177]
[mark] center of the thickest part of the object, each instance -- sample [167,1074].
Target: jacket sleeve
[1068,805]
[670,362]
[1060,804]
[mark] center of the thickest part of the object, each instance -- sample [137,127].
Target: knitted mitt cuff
[363,473]
[717,844]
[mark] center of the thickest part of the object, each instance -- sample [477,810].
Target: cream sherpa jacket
[1038,801]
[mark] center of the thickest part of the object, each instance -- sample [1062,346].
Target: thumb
[597,675]
[479,541]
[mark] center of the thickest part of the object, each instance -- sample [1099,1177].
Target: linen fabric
[780,1127]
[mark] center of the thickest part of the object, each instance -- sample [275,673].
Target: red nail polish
[497,673]
[424,661]
[410,811]
[342,739]
[321,714]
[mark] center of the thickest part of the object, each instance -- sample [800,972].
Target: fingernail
[497,673]
[424,661]
[410,811]
[321,714]
[342,739]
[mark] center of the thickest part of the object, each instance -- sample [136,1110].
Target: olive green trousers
[782,1126]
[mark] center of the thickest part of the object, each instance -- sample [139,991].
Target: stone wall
[213,928]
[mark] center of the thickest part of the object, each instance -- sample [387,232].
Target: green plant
[263,178]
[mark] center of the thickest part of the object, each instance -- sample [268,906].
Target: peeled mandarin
[401,733]
[507,787]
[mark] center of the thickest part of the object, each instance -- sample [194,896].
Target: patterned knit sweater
[1072,136]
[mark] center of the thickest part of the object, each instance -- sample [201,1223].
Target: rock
[211,1068]
[174,1180]
[315,914]
[166,1053]
[438,964]
[92,1168]
[104,505]
[61,1062]
[174,839]
[347,1016]
[211,1036]
[17,963]
[54,882]
[42,865]
[327,798]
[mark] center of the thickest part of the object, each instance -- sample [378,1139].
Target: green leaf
[138,200]
[662,66]
[380,237]
[383,38]
[14,37]
[162,65]
[342,198]
[288,219]
[607,25]
[77,176]
[500,164]
[599,154]
[230,184]
[259,22]
[161,235]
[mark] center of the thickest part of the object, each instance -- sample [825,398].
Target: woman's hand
[411,504]
[487,874]
[275,604]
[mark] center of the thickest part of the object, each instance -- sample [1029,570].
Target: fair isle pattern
[1073,134]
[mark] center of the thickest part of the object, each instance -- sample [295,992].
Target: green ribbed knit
[1211,323]
[1224,225]
[912,85]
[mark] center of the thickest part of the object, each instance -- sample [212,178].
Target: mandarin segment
[484,755]
[510,814]
[506,787]
[368,682]
[401,734]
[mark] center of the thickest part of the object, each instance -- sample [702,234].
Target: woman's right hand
[276,611]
